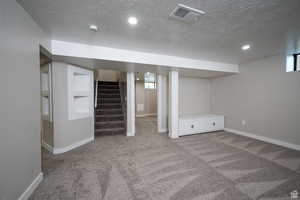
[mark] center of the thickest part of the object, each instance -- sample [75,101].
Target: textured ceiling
[269,25]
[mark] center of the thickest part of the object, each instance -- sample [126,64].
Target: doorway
[46,105]
[110,106]
[146,100]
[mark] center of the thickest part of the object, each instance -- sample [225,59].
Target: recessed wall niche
[80,93]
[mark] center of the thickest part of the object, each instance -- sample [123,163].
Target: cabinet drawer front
[188,124]
[200,125]
[215,124]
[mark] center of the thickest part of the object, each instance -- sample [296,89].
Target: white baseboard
[30,189]
[130,134]
[173,136]
[265,139]
[47,146]
[72,146]
[162,130]
[150,115]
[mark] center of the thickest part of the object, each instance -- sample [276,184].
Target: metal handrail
[96,94]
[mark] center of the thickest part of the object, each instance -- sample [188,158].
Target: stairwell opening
[110,106]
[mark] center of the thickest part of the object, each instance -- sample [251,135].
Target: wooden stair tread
[109,129]
[109,115]
[111,122]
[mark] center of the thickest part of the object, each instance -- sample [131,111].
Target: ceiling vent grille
[186,14]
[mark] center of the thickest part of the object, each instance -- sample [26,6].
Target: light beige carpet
[150,166]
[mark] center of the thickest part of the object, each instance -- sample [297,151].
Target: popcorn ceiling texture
[217,36]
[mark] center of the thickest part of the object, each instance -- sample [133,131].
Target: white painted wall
[140,98]
[265,96]
[108,75]
[67,132]
[194,96]
[62,48]
[173,104]
[20,105]
[150,102]
[162,103]
[130,104]
[147,98]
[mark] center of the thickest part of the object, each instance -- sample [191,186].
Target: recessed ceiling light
[137,79]
[246,47]
[132,20]
[94,28]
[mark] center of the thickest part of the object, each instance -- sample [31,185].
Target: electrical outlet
[244,122]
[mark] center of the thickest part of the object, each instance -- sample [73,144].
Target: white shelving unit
[45,95]
[80,93]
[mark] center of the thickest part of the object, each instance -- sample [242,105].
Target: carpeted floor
[214,166]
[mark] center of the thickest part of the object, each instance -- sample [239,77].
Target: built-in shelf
[81,81]
[45,109]
[81,104]
[45,93]
[80,93]
[45,81]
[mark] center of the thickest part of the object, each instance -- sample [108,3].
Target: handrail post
[96,94]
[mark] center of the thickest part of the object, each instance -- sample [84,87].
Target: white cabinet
[193,124]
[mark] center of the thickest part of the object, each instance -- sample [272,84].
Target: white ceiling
[270,26]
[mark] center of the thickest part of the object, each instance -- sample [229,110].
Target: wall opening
[293,63]
[146,98]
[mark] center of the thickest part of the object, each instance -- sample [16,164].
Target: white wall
[173,116]
[150,102]
[130,90]
[108,75]
[194,96]
[67,132]
[139,98]
[162,103]
[146,97]
[106,53]
[265,96]
[20,116]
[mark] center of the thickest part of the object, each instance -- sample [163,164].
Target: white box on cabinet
[193,124]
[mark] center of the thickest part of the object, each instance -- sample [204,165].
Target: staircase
[109,118]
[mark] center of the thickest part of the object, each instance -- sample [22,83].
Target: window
[293,63]
[150,80]
[150,85]
[297,62]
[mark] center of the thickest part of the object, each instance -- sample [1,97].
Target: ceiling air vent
[186,14]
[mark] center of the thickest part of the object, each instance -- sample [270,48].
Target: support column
[130,104]
[173,104]
[162,103]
